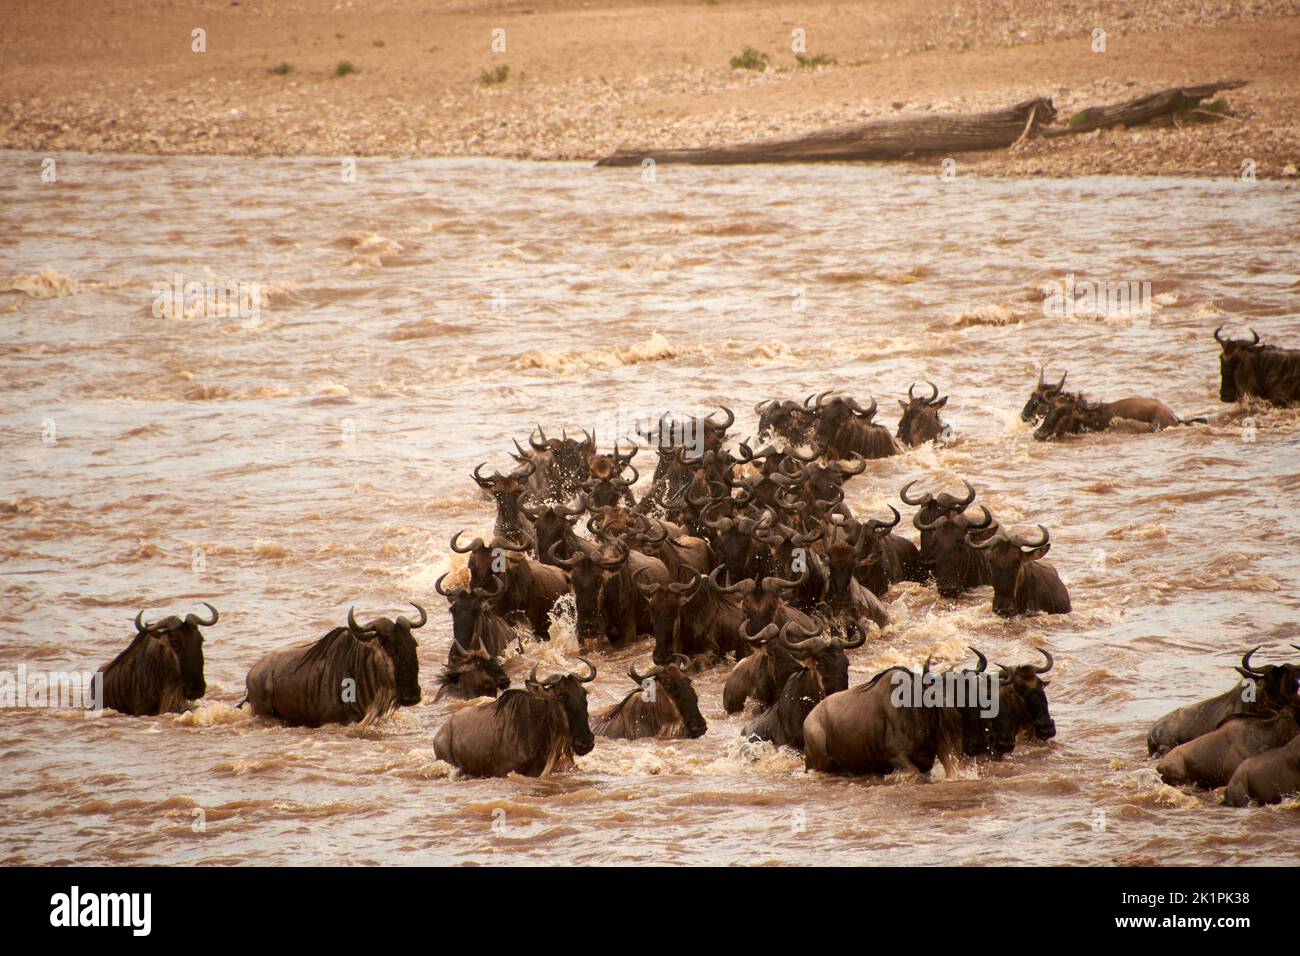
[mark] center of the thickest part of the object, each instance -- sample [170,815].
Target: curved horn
[356,628]
[1030,546]
[924,499]
[988,520]
[934,392]
[1245,664]
[762,637]
[984,661]
[970,495]
[591,667]
[545,443]
[1048,666]
[682,661]
[642,678]
[482,482]
[424,619]
[848,645]
[437,585]
[140,627]
[563,562]
[473,545]
[731,419]
[195,619]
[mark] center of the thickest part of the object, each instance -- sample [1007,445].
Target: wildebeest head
[465,605]
[1231,354]
[921,422]
[1023,702]
[665,601]
[587,576]
[182,635]
[957,565]
[567,690]
[607,489]
[1040,399]
[1277,685]
[397,641]
[473,672]
[832,415]
[1070,414]
[934,506]
[823,656]
[552,525]
[485,559]
[1007,557]
[733,539]
[870,550]
[671,680]
[785,419]
[505,489]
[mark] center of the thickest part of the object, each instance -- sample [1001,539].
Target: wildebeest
[844,595]
[822,669]
[553,528]
[921,422]
[607,599]
[471,673]
[957,564]
[532,731]
[1073,414]
[1022,705]
[864,730]
[351,674]
[785,419]
[160,669]
[1253,369]
[529,588]
[885,558]
[663,705]
[929,508]
[1041,398]
[762,674]
[1270,777]
[474,617]
[1261,692]
[1022,582]
[1211,759]
[844,427]
[506,491]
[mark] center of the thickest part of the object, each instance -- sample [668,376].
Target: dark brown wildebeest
[471,673]
[822,669]
[1022,706]
[762,674]
[1251,368]
[785,419]
[1210,760]
[1260,693]
[844,427]
[866,730]
[553,529]
[739,553]
[568,462]
[474,617]
[351,674]
[1041,398]
[160,669]
[930,508]
[606,597]
[696,618]
[957,564]
[885,558]
[1072,414]
[663,705]
[529,588]
[1022,582]
[921,422]
[1268,778]
[506,491]
[607,487]
[533,731]
[844,596]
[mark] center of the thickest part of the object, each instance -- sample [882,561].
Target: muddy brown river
[288,465]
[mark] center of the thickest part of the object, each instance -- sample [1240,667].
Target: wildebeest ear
[940,403]
[903,403]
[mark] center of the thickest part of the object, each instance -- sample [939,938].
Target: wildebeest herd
[740,554]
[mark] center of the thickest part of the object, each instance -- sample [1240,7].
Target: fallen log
[1143,109]
[905,136]
[880,139]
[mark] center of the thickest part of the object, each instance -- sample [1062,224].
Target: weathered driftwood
[903,136]
[1143,109]
[880,139]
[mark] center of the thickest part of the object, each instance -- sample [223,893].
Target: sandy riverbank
[584,78]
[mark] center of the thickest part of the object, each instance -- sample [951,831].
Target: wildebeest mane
[146,677]
[537,723]
[340,656]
